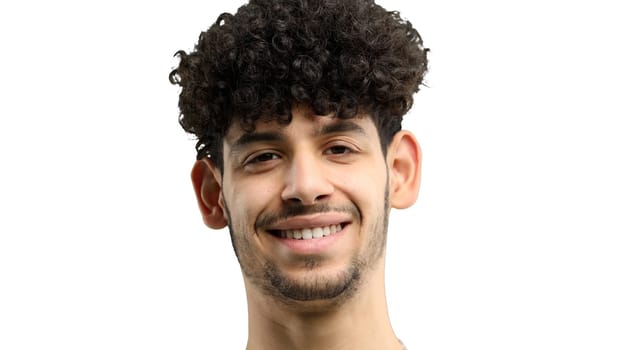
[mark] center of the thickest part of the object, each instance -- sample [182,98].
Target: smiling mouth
[308,232]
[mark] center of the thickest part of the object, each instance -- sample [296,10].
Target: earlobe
[405,169]
[207,182]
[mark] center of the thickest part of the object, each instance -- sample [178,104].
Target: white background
[514,242]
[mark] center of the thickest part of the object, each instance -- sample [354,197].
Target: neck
[362,322]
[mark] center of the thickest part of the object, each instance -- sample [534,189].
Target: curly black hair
[345,57]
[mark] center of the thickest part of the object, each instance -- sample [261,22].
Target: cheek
[247,198]
[365,186]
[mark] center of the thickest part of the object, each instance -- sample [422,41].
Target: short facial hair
[274,283]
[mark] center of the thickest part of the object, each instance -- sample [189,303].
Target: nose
[306,181]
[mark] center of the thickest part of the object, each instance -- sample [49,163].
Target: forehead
[304,124]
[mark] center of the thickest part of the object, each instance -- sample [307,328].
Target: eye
[338,149]
[263,157]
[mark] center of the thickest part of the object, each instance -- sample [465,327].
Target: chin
[314,290]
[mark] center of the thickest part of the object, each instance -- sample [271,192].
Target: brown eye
[338,150]
[263,157]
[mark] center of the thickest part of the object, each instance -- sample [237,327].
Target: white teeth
[326,231]
[335,228]
[307,233]
[311,233]
[318,232]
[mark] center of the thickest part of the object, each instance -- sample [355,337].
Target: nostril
[306,182]
[304,201]
[321,197]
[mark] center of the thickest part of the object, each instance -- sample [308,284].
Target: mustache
[293,210]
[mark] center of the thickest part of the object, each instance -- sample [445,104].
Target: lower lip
[314,245]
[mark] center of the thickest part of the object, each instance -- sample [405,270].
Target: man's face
[306,204]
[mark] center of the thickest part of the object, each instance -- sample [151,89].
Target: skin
[324,293]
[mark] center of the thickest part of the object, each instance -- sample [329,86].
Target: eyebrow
[342,126]
[254,137]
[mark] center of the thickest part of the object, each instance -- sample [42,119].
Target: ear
[404,162]
[207,183]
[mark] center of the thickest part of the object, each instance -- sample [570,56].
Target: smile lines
[310,233]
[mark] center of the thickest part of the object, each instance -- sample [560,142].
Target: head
[297,109]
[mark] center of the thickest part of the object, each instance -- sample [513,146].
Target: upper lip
[309,221]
